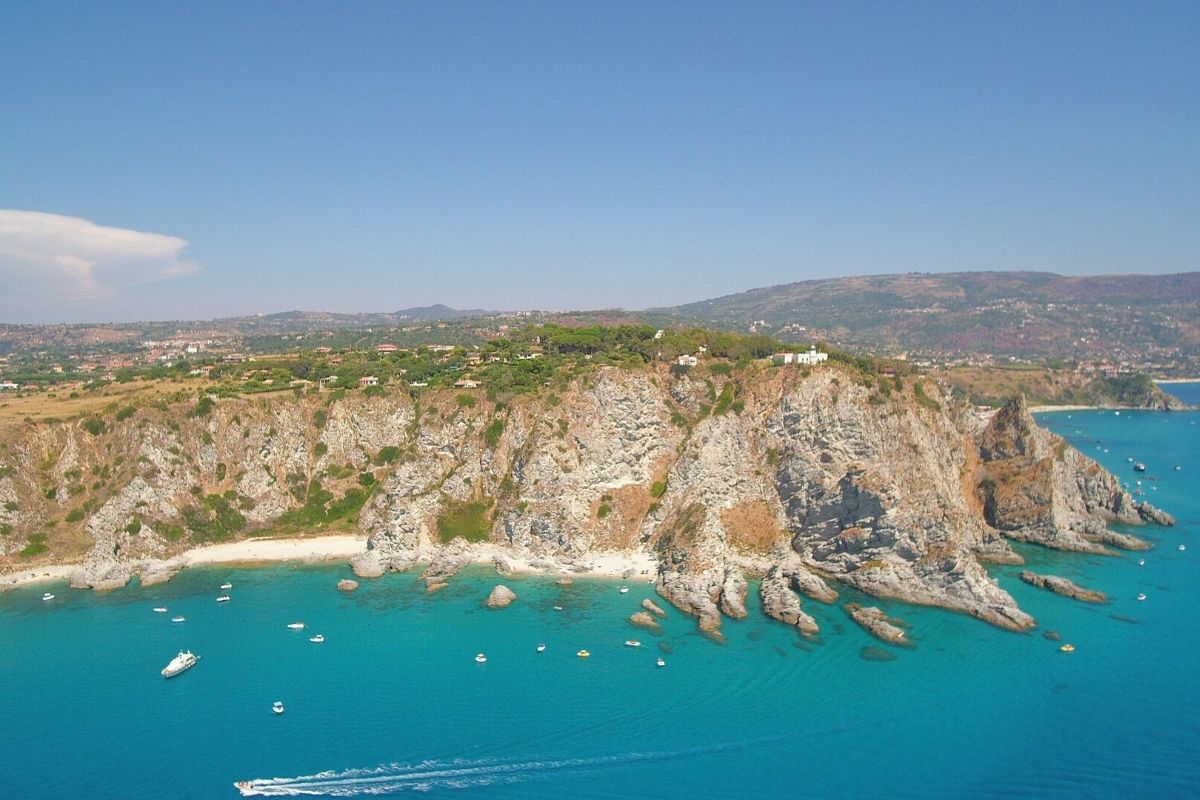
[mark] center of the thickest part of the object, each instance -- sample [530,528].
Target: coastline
[1044,409]
[1176,380]
[252,552]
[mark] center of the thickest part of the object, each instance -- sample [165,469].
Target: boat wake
[453,774]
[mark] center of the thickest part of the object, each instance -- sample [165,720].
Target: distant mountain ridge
[1020,314]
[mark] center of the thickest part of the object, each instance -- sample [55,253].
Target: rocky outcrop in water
[347,585]
[501,597]
[1064,587]
[878,624]
[779,601]
[642,619]
[654,608]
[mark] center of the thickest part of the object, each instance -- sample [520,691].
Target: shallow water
[394,702]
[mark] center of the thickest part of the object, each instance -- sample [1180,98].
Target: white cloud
[48,258]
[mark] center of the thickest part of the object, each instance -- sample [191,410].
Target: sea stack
[501,597]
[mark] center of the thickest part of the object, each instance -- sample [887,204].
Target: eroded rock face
[1034,487]
[780,602]
[878,624]
[897,494]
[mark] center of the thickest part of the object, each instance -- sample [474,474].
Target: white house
[812,357]
[687,361]
[466,383]
[368,380]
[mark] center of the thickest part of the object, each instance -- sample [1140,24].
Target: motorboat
[226,585]
[47,596]
[1141,595]
[1068,648]
[632,643]
[480,659]
[583,654]
[541,648]
[160,610]
[1182,547]
[178,619]
[558,608]
[180,663]
[1141,562]
[1139,467]
[277,707]
[296,626]
[318,639]
[624,590]
[223,598]
[661,663]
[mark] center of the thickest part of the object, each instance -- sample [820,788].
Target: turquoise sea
[393,702]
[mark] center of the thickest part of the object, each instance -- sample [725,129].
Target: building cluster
[811,358]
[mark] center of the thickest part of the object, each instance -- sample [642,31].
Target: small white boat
[318,639]
[160,610]
[661,663]
[632,643]
[277,707]
[47,596]
[226,585]
[541,648]
[1182,547]
[180,663]
[223,598]
[1141,595]
[583,654]
[178,619]
[480,659]
[296,626]
[558,608]
[624,590]
[1178,468]
[1141,562]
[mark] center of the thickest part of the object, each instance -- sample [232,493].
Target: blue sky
[188,160]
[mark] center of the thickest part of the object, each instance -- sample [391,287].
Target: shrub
[320,449]
[658,488]
[320,418]
[94,426]
[37,545]
[386,455]
[125,413]
[603,511]
[493,432]
[75,515]
[465,400]
[134,527]
[366,479]
[204,407]
[469,520]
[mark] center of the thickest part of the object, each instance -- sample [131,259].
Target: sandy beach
[604,564]
[1040,409]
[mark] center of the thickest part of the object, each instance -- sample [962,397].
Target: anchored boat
[180,663]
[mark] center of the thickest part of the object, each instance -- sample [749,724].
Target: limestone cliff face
[803,477]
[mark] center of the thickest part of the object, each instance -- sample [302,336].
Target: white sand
[23,577]
[313,548]
[1039,409]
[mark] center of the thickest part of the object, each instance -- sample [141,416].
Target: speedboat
[178,619]
[160,610]
[480,659]
[661,663]
[632,643]
[1141,562]
[558,608]
[180,663]
[47,596]
[223,598]
[1182,547]
[226,585]
[318,639]
[277,707]
[296,626]
[541,648]
[624,590]
[583,654]
[1141,595]
[1068,648]
[1139,467]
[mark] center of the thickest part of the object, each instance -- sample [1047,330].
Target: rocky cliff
[807,477]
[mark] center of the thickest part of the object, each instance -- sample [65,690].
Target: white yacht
[178,619]
[47,596]
[223,598]
[318,639]
[662,663]
[296,626]
[1141,595]
[624,590]
[541,648]
[226,585]
[480,659]
[632,643]
[180,663]
[277,707]
[160,610]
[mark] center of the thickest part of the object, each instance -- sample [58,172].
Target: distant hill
[1027,315]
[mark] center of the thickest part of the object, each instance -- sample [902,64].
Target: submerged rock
[878,624]
[1052,636]
[347,585]
[1064,587]
[501,597]
[870,653]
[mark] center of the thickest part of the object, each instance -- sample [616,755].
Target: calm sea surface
[393,702]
